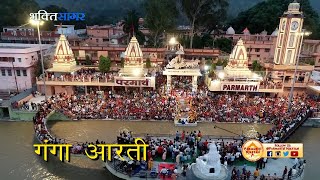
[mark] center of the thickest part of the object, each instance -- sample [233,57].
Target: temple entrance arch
[178,66]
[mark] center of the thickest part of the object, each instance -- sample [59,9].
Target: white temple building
[238,64]
[64,60]
[133,64]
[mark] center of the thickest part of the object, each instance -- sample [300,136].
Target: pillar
[112,88]
[194,83]
[168,83]
[126,88]
[85,90]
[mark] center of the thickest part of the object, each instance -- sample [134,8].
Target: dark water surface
[18,160]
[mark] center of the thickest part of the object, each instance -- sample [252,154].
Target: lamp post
[302,34]
[38,24]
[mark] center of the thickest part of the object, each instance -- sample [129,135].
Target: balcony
[69,81]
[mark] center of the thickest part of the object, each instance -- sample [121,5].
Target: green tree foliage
[77,61]
[224,44]
[148,63]
[160,17]
[204,13]
[38,65]
[131,26]
[256,66]
[88,60]
[104,64]
[16,12]
[122,62]
[222,62]
[265,16]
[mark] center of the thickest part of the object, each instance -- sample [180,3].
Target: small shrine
[179,66]
[133,60]
[64,61]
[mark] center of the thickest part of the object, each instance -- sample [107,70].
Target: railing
[295,127]
[72,79]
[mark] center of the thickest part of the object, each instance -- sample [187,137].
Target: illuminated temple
[133,60]
[238,63]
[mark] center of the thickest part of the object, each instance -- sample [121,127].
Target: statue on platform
[209,162]
[179,63]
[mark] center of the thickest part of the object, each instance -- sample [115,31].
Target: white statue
[209,161]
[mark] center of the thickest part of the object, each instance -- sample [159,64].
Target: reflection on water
[18,160]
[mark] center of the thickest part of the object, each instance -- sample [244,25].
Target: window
[291,41]
[258,55]
[19,59]
[18,72]
[7,59]
[97,40]
[257,50]
[3,72]
[9,72]
[24,72]
[267,50]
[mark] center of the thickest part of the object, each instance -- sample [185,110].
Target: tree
[203,13]
[224,44]
[122,62]
[38,65]
[104,64]
[256,66]
[77,61]
[148,63]
[131,26]
[16,12]
[160,17]
[88,60]
[265,16]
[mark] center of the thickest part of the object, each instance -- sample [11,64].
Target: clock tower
[288,40]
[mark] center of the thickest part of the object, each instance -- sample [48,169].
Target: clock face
[294,25]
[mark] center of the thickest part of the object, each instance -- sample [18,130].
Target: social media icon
[278,153]
[285,153]
[269,153]
[294,153]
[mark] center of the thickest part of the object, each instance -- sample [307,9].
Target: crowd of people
[152,104]
[84,75]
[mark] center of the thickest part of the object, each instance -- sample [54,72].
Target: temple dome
[238,62]
[64,60]
[63,51]
[133,50]
[239,52]
[246,31]
[275,32]
[293,8]
[264,32]
[230,30]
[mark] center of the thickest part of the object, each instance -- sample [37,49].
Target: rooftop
[12,47]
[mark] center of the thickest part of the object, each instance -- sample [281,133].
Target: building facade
[17,64]
[27,35]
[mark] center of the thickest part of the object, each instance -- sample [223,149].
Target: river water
[18,160]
